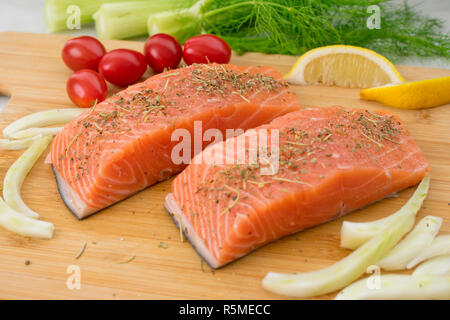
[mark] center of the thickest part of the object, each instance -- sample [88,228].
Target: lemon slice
[411,95]
[343,66]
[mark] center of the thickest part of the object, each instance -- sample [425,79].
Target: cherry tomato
[85,86]
[206,48]
[123,67]
[83,53]
[162,52]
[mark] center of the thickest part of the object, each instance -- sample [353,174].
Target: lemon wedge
[343,66]
[411,95]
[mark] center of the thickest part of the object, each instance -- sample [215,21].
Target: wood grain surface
[33,74]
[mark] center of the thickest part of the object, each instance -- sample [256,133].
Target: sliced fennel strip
[354,234]
[437,266]
[399,287]
[342,273]
[31,132]
[439,247]
[17,173]
[42,119]
[417,240]
[19,223]
[6,144]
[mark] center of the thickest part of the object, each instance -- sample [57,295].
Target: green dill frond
[404,32]
[295,26]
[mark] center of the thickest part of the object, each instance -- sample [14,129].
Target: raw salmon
[123,144]
[331,161]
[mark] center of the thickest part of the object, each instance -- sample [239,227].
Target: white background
[28,16]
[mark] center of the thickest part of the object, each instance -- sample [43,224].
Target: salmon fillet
[331,162]
[123,144]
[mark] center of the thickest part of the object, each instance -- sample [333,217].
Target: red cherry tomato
[85,86]
[83,53]
[123,67]
[206,47]
[162,52]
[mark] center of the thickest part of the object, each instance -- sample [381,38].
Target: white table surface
[28,16]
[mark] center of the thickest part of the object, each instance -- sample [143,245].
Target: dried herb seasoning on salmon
[331,161]
[124,145]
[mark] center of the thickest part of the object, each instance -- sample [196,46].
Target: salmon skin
[331,161]
[123,145]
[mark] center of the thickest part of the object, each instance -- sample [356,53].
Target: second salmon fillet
[124,144]
[331,161]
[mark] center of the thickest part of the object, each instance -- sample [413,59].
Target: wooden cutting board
[137,229]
